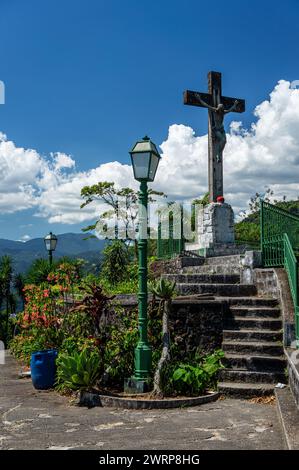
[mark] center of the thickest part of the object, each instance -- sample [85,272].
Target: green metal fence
[170,235]
[280,247]
[291,267]
[275,222]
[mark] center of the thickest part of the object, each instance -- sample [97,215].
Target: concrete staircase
[252,330]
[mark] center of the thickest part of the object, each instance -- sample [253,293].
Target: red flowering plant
[45,308]
[40,309]
[64,281]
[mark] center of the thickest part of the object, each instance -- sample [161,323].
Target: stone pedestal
[215,229]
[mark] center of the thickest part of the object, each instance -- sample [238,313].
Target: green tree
[116,261]
[122,207]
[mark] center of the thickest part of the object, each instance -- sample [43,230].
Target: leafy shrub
[72,344]
[78,371]
[22,346]
[194,377]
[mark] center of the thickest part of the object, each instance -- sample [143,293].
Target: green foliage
[23,345]
[115,263]
[78,371]
[128,286]
[189,379]
[72,344]
[163,289]
[247,231]
[120,347]
[39,271]
[194,377]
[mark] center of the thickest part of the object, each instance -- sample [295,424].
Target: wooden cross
[218,106]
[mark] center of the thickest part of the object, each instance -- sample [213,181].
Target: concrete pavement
[45,420]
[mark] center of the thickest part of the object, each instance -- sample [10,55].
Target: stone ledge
[92,399]
[289,417]
[293,372]
[131,300]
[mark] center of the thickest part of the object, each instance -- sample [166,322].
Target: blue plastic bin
[43,369]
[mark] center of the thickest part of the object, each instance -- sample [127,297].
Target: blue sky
[87,78]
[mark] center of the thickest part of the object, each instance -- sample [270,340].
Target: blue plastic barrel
[43,369]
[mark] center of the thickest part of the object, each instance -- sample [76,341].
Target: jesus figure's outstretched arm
[203,103]
[232,108]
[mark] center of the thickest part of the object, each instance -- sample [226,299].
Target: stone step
[233,260]
[217,289]
[251,301]
[255,362]
[249,376]
[211,269]
[245,390]
[203,278]
[250,323]
[242,347]
[191,261]
[252,335]
[255,311]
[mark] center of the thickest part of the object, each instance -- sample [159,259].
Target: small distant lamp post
[145,160]
[50,243]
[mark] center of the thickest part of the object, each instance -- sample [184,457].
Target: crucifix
[217,106]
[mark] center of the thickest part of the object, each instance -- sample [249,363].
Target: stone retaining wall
[194,324]
[197,324]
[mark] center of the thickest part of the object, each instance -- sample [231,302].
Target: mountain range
[74,245]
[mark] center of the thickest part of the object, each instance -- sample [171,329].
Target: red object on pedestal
[220,199]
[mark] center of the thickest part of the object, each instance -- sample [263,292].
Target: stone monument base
[216,236]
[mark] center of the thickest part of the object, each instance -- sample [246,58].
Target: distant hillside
[69,244]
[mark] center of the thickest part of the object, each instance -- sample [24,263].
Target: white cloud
[24,238]
[266,154]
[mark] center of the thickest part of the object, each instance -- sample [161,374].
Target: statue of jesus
[218,132]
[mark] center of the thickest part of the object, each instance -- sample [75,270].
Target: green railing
[275,222]
[170,241]
[280,247]
[291,267]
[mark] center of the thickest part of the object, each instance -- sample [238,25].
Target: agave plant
[165,291]
[78,371]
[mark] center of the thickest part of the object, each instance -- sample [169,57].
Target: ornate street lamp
[50,243]
[145,160]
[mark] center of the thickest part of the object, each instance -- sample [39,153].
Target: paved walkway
[45,420]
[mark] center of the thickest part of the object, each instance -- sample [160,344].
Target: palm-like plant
[165,291]
[39,271]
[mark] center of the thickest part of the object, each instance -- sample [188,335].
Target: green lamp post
[50,244]
[145,160]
